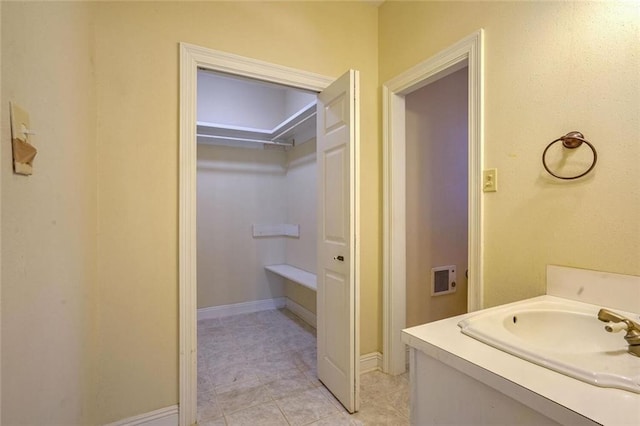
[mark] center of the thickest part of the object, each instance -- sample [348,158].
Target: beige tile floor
[260,369]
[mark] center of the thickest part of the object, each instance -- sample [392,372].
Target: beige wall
[302,194]
[550,67]
[302,210]
[136,62]
[436,193]
[1,168]
[49,219]
[238,188]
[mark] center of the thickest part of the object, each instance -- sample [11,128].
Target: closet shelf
[297,275]
[278,230]
[298,128]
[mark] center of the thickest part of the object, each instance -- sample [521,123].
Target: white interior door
[337,310]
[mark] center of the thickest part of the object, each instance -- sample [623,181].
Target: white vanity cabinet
[458,380]
[445,390]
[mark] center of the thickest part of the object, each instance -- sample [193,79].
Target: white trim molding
[240,308]
[302,312]
[191,58]
[370,362]
[163,417]
[467,52]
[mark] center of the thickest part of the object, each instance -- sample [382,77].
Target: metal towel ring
[571,140]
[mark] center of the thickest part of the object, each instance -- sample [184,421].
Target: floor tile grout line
[296,357]
[286,419]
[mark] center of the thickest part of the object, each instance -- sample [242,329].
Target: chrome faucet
[620,323]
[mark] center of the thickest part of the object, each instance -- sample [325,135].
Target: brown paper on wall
[23,155]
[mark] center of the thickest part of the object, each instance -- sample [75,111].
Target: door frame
[193,57]
[466,52]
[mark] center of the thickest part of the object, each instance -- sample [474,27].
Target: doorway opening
[256,193]
[337,258]
[436,194]
[466,54]
[256,224]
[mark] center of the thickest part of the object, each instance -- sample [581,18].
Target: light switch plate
[19,123]
[23,151]
[490,180]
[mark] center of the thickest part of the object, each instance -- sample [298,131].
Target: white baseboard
[163,417]
[370,362]
[240,308]
[305,314]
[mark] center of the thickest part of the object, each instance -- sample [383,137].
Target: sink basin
[561,335]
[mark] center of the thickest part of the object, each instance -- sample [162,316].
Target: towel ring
[571,140]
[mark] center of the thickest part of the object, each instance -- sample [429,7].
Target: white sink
[562,335]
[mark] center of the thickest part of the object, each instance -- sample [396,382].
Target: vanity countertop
[535,386]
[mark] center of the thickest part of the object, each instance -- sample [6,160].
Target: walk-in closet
[256,236]
[256,196]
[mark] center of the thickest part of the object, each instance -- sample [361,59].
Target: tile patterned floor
[260,369]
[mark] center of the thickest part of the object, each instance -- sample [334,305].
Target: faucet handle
[616,327]
[606,315]
[617,322]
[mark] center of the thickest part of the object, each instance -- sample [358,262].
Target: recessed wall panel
[335,228]
[335,114]
[335,299]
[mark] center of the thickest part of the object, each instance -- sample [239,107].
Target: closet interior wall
[239,186]
[301,204]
